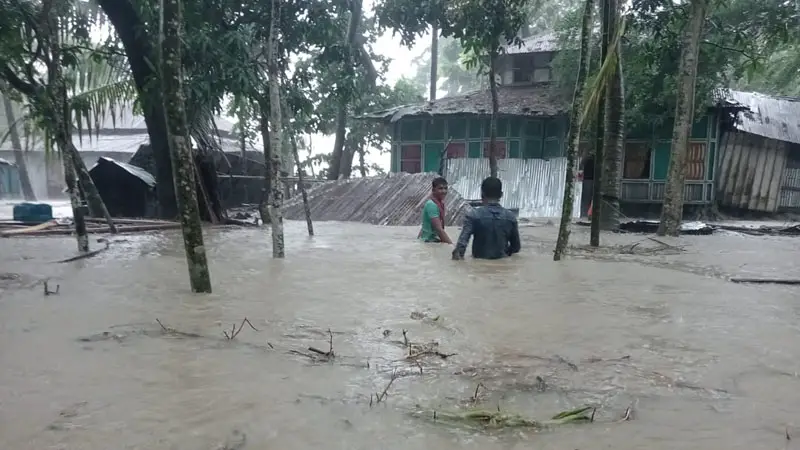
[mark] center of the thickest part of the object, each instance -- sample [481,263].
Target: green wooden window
[475,150]
[432,156]
[457,128]
[551,149]
[661,160]
[434,130]
[533,128]
[474,128]
[552,129]
[712,153]
[395,158]
[700,128]
[502,128]
[515,127]
[411,130]
[513,149]
[532,148]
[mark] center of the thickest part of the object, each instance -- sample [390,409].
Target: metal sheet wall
[751,171]
[534,186]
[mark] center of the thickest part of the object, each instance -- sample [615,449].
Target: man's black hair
[492,188]
[438,181]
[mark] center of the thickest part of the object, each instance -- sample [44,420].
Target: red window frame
[457,150]
[411,158]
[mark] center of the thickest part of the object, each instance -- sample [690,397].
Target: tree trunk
[597,183]
[434,82]
[302,186]
[349,73]
[362,164]
[493,119]
[181,151]
[614,128]
[139,49]
[672,210]
[574,135]
[263,125]
[346,167]
[97,207]
[276,193]
[75,202]
[19,155]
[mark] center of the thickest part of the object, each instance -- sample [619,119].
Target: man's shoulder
[509,215]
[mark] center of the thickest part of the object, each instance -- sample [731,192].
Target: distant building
[531,130]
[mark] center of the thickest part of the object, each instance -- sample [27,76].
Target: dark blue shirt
[495,231]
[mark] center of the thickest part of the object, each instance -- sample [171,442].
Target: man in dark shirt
[494,227]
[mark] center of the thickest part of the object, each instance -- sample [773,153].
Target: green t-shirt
[429,211]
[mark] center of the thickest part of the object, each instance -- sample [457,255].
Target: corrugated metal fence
[392,200]
[534,186]
[790,194]
[751,169]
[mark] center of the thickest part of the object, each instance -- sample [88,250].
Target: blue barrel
[33,213]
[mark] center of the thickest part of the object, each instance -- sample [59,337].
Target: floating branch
[475,395]
[235,331]
[86,255]
[175,332]
[382,396]
[329,354]
[786,281]
[497,419]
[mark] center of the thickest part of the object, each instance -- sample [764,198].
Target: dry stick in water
[87,255]
[329,353]
[47,291]
[380,397]
[235,332]
[475,395]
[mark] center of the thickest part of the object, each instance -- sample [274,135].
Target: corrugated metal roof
[547,42]
[133,170]
[768,116]
[537,100]
[534,186]
[396,199]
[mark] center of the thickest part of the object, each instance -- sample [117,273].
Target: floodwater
[702,363]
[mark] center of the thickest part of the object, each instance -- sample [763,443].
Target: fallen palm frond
[481,418]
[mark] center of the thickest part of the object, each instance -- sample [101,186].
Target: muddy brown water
[704,362]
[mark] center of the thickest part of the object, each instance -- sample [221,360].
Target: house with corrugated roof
[531,134]
[759,163]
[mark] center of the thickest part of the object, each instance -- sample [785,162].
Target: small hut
[127,190]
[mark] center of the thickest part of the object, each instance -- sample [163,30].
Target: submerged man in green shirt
[433,214]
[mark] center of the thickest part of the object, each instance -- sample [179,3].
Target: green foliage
[453,76]
[740,36]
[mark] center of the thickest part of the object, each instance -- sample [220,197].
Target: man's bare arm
[436,223]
